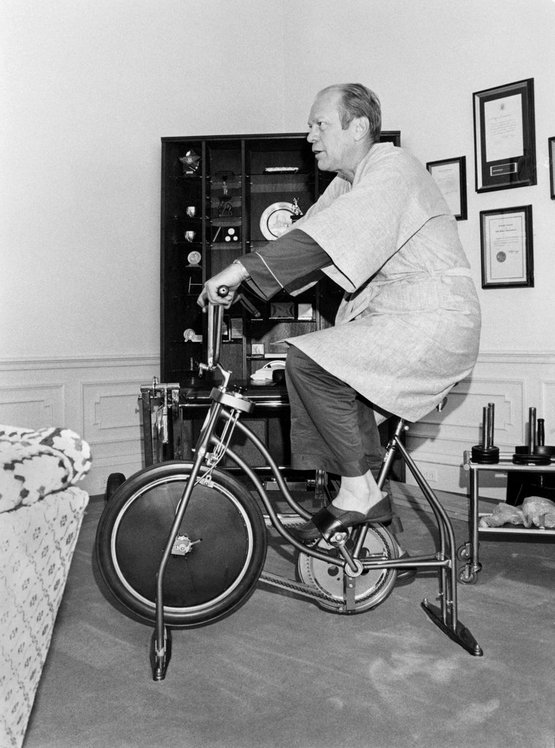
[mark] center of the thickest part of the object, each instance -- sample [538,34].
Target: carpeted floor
[282,673]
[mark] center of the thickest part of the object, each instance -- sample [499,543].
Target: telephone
[266,373]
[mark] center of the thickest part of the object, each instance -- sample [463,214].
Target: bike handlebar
[215,318]
[214,333]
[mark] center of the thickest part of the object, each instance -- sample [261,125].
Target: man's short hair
[358,101]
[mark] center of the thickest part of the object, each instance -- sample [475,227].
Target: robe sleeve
[288,263]
[362,226]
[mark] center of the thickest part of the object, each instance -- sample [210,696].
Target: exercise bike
[183,544]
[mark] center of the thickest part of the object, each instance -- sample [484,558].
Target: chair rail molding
[95,396]
[98,398]
[514,381]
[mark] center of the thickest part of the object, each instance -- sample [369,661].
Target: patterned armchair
[41,511]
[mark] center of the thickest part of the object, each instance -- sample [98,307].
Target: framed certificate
[507,251]
[504,136]
[450,177]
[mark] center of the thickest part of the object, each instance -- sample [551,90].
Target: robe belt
[417,277]
[353,305]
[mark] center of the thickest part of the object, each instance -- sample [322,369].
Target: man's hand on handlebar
[231,277]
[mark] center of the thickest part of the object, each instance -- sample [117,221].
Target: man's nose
[311,136]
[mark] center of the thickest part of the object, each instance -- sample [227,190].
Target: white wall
[89,87]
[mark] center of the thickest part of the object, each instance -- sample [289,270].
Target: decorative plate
[276,219]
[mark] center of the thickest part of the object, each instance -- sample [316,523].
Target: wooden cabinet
[223,196]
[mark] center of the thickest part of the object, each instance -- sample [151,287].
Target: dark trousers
[332,427]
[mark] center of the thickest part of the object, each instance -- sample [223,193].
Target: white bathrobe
[408,328]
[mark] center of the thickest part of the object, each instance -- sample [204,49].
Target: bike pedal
[339,540]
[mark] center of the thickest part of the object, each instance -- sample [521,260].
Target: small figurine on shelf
[296,212]
[226,234]
[190,162]
[225,206]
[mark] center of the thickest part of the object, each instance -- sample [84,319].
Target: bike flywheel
[373,586]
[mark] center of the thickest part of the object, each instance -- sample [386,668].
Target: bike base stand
[444,616]
[459,634]
[160,654]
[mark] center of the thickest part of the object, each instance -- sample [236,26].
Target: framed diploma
[450,177]
[504,136]
[507,251]
[551,147]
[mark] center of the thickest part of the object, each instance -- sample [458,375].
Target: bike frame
[226,408]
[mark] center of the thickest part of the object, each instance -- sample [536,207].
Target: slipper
[330,520]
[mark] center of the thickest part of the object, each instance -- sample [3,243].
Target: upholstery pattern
[36,547]
[41,512]
[34,464]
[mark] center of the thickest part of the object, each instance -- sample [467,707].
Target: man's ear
[361,127]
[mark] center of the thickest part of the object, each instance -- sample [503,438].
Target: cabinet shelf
[219,246]
[226,221]
[231,181]
[184,267]
[188,178]
[190,246]
[280,175]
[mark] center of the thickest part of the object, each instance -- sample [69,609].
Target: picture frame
[450,176]
[504,136]
[507,247]
[391,136]
[282,310]
[551,148]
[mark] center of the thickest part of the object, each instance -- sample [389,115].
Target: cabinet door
[281,185]
[225,233]
[182,257]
